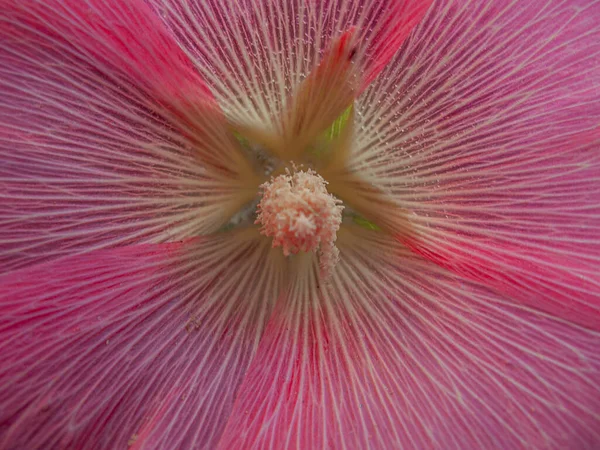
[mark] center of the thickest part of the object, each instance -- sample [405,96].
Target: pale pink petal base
[143,346]
[396,353]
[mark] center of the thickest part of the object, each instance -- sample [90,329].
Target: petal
[123,36]
[399,353]
[254,53]
[143,345]
[486,127]
[100,118]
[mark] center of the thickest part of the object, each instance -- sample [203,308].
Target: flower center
[300,215]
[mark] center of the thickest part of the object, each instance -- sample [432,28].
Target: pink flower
[440,217]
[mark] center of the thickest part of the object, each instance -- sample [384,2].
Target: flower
[141,305]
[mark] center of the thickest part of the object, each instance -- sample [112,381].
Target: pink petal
[123,36]
[143,345]
[486,128]
[564,285]
[98,148]
[398,353]
[253,53]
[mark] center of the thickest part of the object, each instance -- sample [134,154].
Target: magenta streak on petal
[564,287]
[92,155]
[145,342]
[140,440]
[405,355]
[57,324]
[398,20]
[125,35]
[127,43]
[127,40]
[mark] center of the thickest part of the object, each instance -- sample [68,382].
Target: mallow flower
[299,224]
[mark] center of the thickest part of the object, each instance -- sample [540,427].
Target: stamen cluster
[298,212]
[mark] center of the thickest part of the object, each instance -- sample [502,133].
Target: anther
[300,215]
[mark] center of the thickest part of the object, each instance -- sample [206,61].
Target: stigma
[301,216]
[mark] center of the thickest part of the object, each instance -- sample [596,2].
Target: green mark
[364,223]
[323,144]
[335,130]
[241,139]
